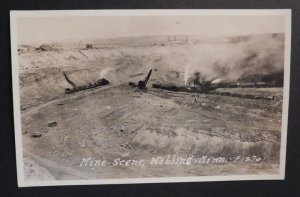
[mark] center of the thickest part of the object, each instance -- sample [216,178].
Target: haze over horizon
[59,29]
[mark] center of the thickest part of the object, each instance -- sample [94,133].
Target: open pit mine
[150,102]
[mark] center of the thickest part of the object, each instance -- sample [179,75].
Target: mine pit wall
[185,143]
[48,84]
[41,77]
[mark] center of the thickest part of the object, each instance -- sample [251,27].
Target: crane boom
[68,80]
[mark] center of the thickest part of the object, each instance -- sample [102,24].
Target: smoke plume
[250,59]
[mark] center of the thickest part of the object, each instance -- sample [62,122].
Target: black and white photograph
[148,96]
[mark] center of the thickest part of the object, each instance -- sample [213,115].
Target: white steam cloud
[231,59]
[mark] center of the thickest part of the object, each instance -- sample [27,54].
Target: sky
[66,28]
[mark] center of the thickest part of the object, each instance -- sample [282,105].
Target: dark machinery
[100,82]
[142,84]
[68,80]
[203,87]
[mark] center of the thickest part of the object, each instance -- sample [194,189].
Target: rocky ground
[118,122]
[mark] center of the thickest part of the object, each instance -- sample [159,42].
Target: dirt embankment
[41,76]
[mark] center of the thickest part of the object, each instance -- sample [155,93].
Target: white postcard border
[61,13]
